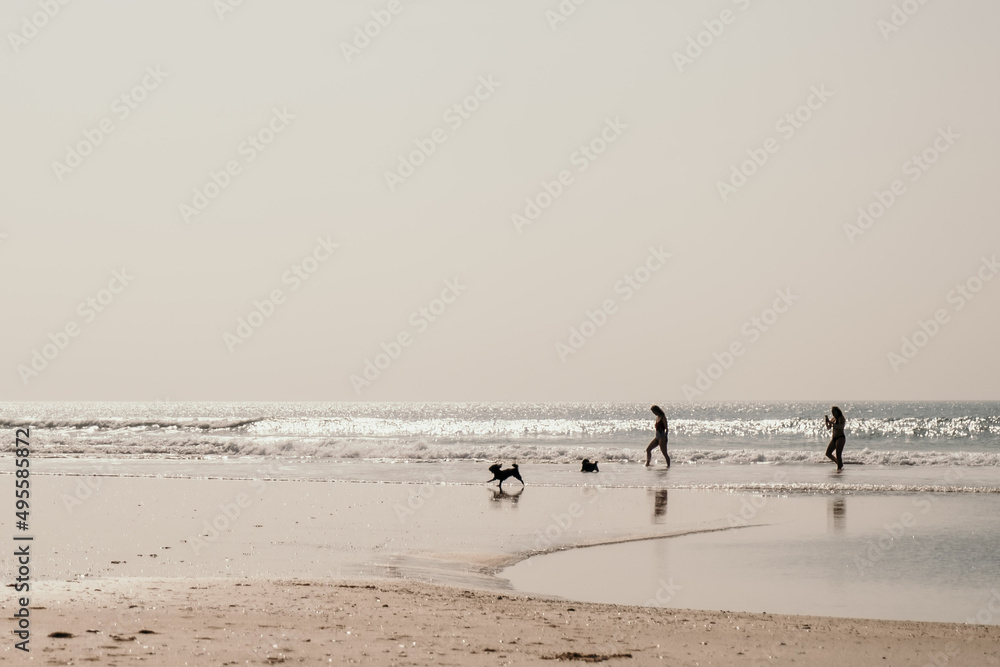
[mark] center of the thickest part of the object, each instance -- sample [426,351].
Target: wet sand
[153,527]
[915,557]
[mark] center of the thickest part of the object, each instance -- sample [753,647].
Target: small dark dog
[589,467]
[504,474]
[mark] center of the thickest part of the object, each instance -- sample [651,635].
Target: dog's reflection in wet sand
[500,496]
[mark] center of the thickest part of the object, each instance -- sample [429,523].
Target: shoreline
[159,621]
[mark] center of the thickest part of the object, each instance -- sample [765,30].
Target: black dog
[504,474]
[589,467]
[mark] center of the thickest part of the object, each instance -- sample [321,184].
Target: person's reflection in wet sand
[837,513]
[660,506]
[499,497]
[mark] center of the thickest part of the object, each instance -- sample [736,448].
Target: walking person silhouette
[661,435]
[837,441]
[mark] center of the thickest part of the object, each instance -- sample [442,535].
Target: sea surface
[890,446]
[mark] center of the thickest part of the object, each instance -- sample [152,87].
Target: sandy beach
[276,621]
[187,571]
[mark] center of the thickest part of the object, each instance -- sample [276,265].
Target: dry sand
[230,622]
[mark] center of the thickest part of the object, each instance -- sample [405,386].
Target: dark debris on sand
[586,657]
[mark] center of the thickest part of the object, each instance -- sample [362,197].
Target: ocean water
[890,446]
[890,433]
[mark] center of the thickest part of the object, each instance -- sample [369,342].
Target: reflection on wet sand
[660,506]
[837,513]
[499,497]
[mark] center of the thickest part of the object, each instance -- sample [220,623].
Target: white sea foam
[120,444]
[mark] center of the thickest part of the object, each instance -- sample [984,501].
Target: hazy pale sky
[170,168]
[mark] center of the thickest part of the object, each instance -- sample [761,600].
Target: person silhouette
[661,435]
[838,438]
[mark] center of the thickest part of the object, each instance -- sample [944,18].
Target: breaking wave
[121,445]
